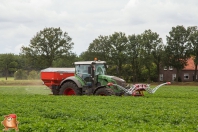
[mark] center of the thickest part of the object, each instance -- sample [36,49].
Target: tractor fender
[71,79]
[98,88]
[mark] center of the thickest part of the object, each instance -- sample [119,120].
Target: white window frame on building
[173,77]
[161,77]
[170,67]
[165,67]
[186,76]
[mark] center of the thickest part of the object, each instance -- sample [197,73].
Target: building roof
[190,64]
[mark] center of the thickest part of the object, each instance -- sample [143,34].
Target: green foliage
[171,108]
[24,75]
[133,51]
[47,46]
[148,50]
[100,48]
[65,61]
[8,64]
[178,48]
[128,77]
[88,56]
[112,70]
[21,75]
[34,75]
[135,58]
[136,51]
[109,48]
[193,40]
[118,54]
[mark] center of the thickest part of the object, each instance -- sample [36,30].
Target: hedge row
[25,75]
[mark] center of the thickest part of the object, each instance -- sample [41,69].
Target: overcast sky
[85,20]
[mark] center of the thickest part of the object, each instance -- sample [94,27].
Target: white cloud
[85,20]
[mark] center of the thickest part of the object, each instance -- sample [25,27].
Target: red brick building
[186,74]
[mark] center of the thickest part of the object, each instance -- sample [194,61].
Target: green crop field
[171,109]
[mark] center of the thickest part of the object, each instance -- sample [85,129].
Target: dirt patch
[21,82]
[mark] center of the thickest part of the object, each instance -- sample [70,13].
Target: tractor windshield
[82,69]
[100,69]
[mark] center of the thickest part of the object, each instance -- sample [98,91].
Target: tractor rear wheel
[105,91]
[69,88]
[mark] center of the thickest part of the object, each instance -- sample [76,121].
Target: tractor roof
[89,62]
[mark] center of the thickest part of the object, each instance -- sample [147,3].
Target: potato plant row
[171,108]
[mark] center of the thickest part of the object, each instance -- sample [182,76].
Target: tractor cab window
[100,69]
[82,70]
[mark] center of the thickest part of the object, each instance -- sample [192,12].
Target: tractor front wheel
[105,91]
[69,88]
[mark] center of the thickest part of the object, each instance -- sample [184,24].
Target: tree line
[135,58]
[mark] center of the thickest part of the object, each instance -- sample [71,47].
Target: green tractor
[88,78]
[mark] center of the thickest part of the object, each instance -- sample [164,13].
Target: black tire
[105,91]
[69,88]
[55,91]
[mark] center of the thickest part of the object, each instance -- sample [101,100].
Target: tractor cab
[90,70]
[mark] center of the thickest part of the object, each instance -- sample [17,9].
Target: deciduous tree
[133,52]
[47,46]
[8,64]
[177,49]
[100,48]
[118,53]
[193,39]
[149,43]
